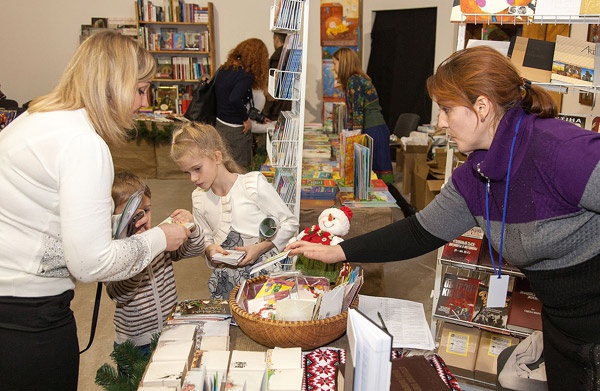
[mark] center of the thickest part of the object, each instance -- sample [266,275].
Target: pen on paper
[381,320]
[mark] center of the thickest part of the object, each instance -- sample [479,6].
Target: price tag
[497,291]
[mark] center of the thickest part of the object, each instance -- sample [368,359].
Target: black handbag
[203,107]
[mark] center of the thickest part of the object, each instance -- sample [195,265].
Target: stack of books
[318,189]
[316,146]
[375,199]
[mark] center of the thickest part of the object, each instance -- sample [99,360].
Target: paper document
[404,320]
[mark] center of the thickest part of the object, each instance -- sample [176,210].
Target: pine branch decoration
[131,364]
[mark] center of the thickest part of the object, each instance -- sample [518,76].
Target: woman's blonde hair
[197,138]
[102,77]
[483,71]
[253,56]
[348,65]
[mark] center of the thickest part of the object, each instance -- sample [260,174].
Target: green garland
[131,364]
[154,135]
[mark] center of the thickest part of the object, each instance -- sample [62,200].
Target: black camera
[255,115]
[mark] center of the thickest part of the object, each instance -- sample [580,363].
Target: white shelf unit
[285,149]
[442,265]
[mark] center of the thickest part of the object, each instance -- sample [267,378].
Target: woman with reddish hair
[245,69]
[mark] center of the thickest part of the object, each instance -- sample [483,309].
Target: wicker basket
[308,335]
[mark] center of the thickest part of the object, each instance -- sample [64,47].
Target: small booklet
[269,261]
[169,220]
[233,257]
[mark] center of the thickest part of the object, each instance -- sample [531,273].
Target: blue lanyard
[487,205]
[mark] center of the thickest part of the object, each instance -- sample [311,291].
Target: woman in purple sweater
[532,182]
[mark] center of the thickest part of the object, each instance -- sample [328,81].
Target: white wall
[39,37]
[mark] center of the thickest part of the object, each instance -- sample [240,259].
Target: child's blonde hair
[125,184]
[197,138]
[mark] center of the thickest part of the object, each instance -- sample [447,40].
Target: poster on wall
[340,23]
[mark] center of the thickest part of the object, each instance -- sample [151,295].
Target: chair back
[406,123]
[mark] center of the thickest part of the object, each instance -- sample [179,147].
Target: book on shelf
[525,311]
[284,140]
[465,248]
[164,68]
[285,184]
[491,317]
[167,98]
[287,14]
[192,39]
[178,41]
[375,199]
[458,297]
[573,61]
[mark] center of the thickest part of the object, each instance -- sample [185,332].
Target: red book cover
[525,312]
[457,297]
[465,248]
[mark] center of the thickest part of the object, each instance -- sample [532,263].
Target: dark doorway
[402,57]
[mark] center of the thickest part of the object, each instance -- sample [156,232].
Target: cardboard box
[490,346]
[458,347]
[426,185]
[411,155]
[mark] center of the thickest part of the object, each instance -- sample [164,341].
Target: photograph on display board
[340,23]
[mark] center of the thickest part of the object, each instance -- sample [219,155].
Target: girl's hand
[213,249]
[323,253]
[253,252]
